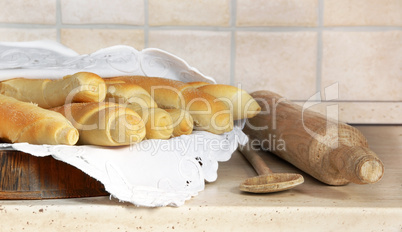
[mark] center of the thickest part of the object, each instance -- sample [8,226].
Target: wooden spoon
[267,181]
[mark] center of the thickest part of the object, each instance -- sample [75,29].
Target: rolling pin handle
[360,165]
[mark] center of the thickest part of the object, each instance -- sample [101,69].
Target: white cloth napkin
[152,173]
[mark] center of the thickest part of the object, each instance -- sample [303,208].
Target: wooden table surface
[312,206]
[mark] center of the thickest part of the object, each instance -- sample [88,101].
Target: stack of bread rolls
[86,109]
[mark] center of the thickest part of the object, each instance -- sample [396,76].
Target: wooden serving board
[23,176]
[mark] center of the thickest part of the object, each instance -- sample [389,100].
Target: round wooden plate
[23,176]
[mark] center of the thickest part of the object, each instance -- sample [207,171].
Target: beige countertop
[312,206]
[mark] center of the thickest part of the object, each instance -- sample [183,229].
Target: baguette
[104,123]
[26,122]
[80,87]
[208,113]
[158,122]
[126,93]
[241,104]
[183,123]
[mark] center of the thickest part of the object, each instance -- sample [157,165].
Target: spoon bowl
[274,182]
[267,181]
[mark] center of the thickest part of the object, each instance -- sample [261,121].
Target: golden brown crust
[104,123]
[239,101]
[208,113]
[127,93]
[89,87]
[197,84]
[26,90]
[158,122]
[80,87]
[165,92]
[162,127]
[26,122]
[183,122]
[148,82]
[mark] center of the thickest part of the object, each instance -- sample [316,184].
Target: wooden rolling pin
[330,151]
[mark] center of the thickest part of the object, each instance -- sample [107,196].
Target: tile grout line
[320,23]
[233,12]
[206,28]
[349,101]
[58,21]
[146,24]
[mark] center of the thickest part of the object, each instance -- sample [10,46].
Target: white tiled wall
[367,64]
[208,51]
[127,12]
[29,12]
[277,13]
[293,47]
[89,40]
[189,13]
[278,61]
[362,13]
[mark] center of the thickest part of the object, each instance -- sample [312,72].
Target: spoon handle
[255,160]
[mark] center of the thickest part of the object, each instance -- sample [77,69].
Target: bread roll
[208,113]
[127,93]
[26,122]
[166,92]
[80,87]
[182,122]
[104,123]
[239,101]
[158,122]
